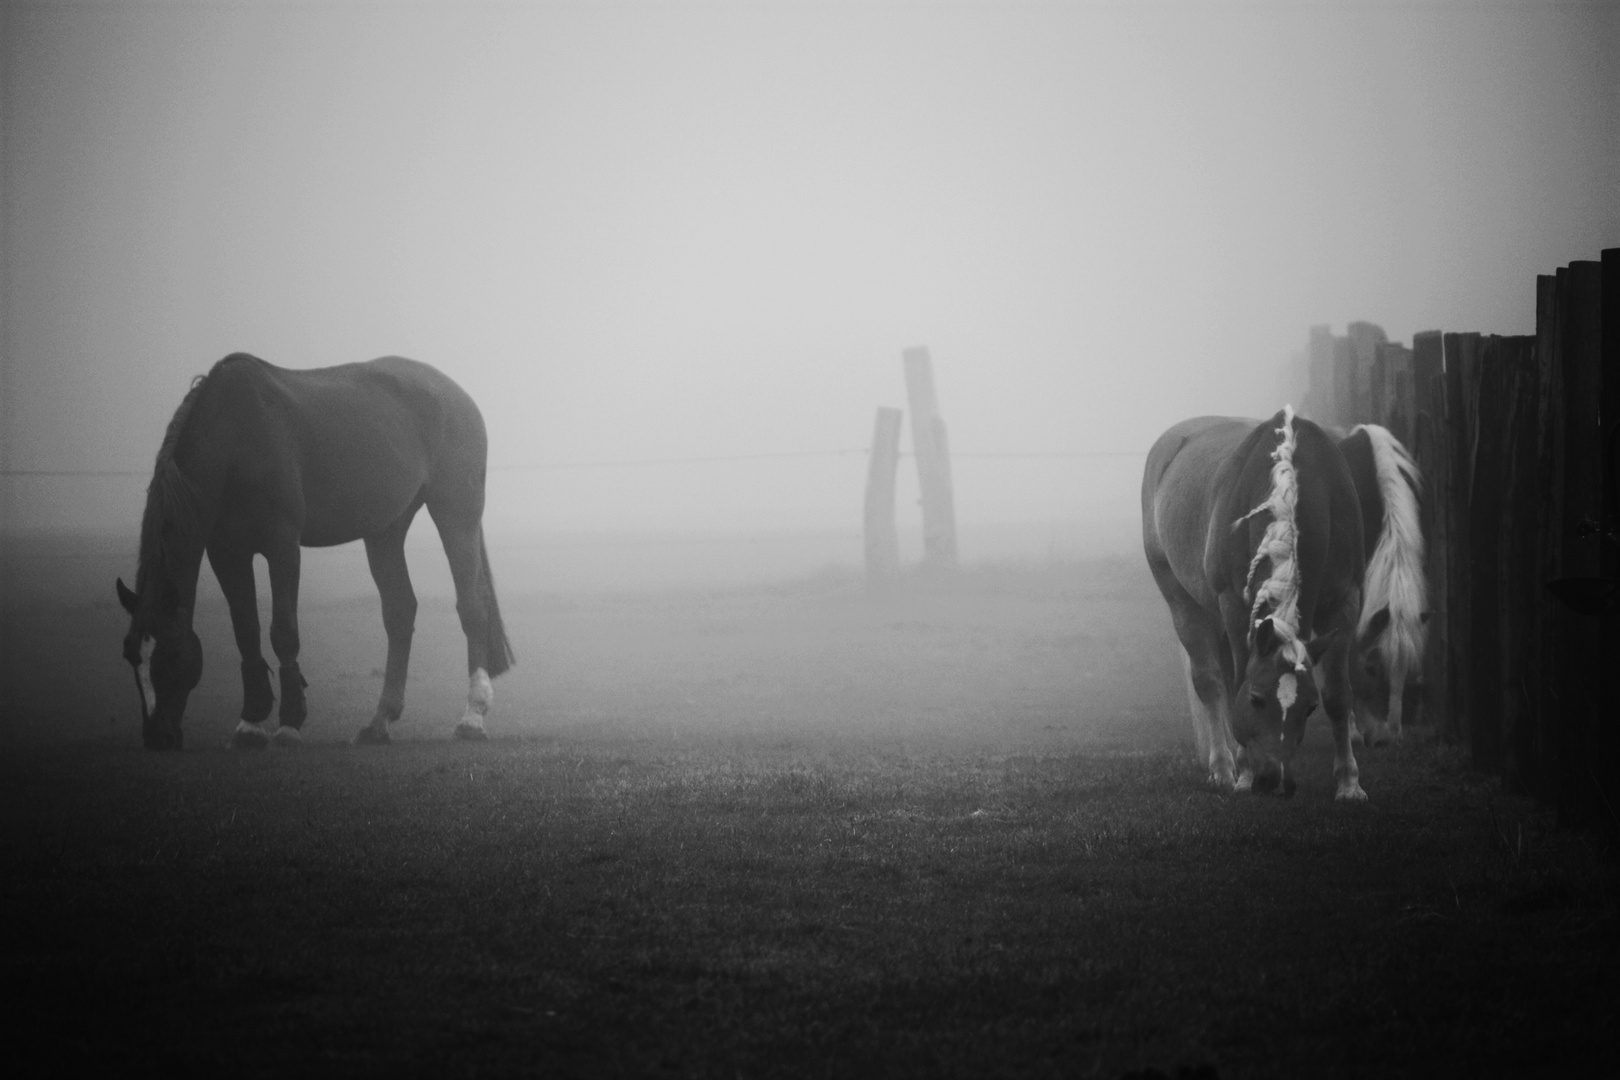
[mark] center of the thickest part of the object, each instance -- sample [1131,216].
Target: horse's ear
[1265,637]
[1424,618]
[126,597]
[1377,624]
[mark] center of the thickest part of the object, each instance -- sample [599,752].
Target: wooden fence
[1516,440]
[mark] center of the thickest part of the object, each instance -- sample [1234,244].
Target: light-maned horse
[1253,532]
[261,460]
[1395,604]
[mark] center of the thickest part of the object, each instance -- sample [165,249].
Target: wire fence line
[610,463]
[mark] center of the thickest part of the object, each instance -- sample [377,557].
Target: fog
[642,234]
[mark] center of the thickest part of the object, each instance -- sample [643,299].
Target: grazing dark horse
[1395,603]
[1253,532]
[259,460]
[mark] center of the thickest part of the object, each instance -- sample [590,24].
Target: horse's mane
[1394,575]
[171,500]
[1278,595]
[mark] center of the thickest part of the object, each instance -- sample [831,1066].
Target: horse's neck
[188,519]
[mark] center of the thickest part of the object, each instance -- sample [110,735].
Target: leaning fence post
[928,441]
[882,542]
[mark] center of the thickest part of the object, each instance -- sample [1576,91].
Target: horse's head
[1277,694]
[167,658]
[1379,677]
[1370,677]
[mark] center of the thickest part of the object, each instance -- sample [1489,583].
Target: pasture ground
[783,830]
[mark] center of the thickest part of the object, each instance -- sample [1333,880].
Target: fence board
[1429,375]
[1462,373]
[1548,528]
[1515,564]
[1483,662]
[1581,328]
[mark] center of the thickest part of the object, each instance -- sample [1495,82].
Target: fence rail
[1515,436]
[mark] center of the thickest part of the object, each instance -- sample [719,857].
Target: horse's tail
[1394,576]
[500,650]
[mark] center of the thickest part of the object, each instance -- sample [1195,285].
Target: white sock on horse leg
[480,696]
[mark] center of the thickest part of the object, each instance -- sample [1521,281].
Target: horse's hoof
[372,735]
[289,736]
[249,737]
[471,732]
[1350,792]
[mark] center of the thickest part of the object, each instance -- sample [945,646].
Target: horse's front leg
[284,559]
[1333,671]
[386,556]
[234,569]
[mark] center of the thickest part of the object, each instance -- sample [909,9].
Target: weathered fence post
[1548,528]
[1609,546]
[882,541]
[1516,564]
[1396,406]
[1484,508]
[1462,375]
[1429,379]
[1581,324]
[1319,404]
[1363,342]
[929,442]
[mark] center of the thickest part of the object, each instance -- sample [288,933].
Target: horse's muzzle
[159,731]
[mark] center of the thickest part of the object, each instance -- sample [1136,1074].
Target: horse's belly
[342,516]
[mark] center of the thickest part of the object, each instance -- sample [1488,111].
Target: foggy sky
[638,231]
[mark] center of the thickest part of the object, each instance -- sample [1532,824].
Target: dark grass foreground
[784,831]
[778,908]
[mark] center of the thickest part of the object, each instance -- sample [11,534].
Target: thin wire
[634,462]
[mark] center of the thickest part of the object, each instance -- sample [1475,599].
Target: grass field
[781,830]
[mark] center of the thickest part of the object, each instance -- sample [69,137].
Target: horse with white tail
[1252,530]
[260,460]
[1395,604]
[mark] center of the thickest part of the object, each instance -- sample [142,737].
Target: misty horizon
[652,234]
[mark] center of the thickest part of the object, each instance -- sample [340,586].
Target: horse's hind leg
[385,553]
[463,546]
[1207,692]
[234,569]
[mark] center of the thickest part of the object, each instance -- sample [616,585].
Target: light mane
[1394,575]
[171,499]
[1278,595]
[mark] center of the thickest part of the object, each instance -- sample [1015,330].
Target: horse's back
[351,446]
[1357,450]
[1180,484]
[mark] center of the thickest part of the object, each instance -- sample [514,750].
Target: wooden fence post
[1516,564]
[1319,398]
[1364,340]
[1547,525]
[1484,509]
[1429,379]
[1397,406]
[1582,331]
[929,442]
[1608,636]
[882,541]
[1609,545]
[1462,373]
